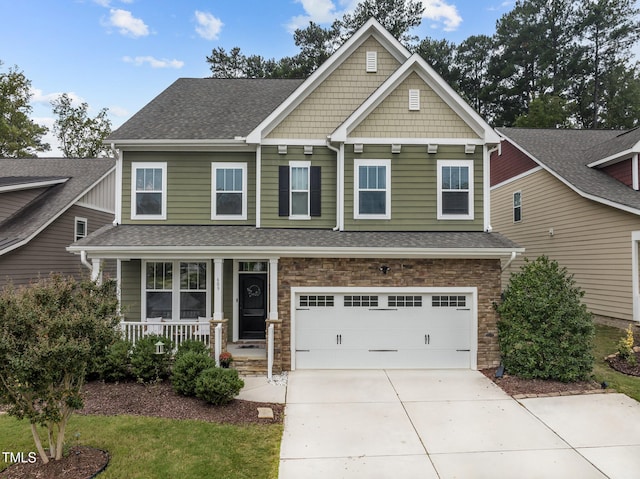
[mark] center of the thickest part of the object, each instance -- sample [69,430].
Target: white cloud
[208,26]
[127,23]
[317,11]
[154,62]
[441,12]
[41,98]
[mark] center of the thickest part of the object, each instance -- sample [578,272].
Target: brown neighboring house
[573,195]
[45,205]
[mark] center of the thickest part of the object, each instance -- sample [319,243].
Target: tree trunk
[36,439]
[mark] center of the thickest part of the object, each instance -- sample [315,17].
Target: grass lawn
[142,447]
[606,343]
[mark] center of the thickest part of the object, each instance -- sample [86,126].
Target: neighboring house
[45,205]
[573,195]
[350,210]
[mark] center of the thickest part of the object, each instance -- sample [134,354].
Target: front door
[253,305]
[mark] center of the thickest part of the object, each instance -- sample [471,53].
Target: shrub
[146,365]
[191,345]
[116,365]
[625,347]
[544,330]
[186,370]
[218,386]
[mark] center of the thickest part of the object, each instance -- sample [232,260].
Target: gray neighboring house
[46,204]
[573,195]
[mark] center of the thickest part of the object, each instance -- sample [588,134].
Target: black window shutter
[315,199]
[283,191]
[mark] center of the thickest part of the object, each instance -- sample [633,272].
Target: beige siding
[46,252]
[413,189]
[12,201]
[392,118]
[338,96]
[189,186]
[591,240]
[102,196]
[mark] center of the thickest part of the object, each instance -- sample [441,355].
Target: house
[46,204]
[350,211]
[573,196]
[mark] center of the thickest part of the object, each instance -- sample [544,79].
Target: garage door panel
[366,359]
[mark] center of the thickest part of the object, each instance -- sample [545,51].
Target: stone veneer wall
[336,272]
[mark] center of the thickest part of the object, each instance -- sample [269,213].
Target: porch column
[273,288]
[217,288]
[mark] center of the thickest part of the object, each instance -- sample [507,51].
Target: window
[448,301]
[229,196]
[372,199]
[80,228]
[149,190]
[299,201]
[404,301]
[360,301]
[299,190]
[316,301]
[517,206]
[455,189]
[176,289]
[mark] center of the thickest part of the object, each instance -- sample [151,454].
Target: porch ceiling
[183,241]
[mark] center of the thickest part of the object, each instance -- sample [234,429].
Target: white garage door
[390,330]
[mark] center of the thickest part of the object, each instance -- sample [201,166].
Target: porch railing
[177,331]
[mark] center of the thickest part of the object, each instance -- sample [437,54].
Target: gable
[508,163]
[393,119]
[329,104]
[13,201]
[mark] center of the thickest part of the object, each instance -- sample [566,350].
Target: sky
[120,54]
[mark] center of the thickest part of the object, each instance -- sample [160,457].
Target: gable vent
[414,100]
[372,62]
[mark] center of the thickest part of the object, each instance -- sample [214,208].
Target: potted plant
[225,359]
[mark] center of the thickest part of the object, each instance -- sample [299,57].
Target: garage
[393,328]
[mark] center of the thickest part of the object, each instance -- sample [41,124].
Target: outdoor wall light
[159,347]
[385,269]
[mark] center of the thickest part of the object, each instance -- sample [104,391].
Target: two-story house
[350,210]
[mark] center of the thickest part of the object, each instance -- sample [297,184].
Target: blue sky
[119,54]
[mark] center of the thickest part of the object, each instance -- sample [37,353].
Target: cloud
[441,12]
[153,62]
[41,98]
[208,26]
[317,11]
[127,23]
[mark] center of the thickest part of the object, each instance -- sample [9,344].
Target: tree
[546,111]
[440,54]
[80,136]
[472,57]
[545,331]
[19,135]
[51,334]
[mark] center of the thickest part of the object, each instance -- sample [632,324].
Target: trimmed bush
[544,330]
[116,365]
[191,345]
[218,386]
[186,370]
[146,365]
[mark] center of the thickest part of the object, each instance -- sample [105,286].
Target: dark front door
[253,305]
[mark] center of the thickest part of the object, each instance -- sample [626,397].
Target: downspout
[118,203]
[510,260]
[85,262]
[339,168]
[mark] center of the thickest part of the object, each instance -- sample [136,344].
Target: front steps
[249,357]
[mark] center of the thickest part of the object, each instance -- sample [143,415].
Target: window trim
[517,207]
[77,221]
[470,190]
[220,165]
[299,164]
[148,165]
[357,163]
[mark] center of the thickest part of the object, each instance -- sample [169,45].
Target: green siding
[189,186]
[227,296]
[271,160]
[413,189]
[130,290]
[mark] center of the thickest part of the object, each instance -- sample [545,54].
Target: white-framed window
[229,195]
[372,189]
[455,189]
[80,228]
[517,206]
[148,191]
[176,290]
[299,190]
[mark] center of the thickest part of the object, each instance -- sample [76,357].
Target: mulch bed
[80,463]
[623,366]
[518,387]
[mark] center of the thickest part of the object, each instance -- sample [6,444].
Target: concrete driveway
[450,424]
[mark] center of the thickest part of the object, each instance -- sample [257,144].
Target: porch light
[159,347]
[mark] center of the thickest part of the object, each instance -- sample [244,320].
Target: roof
[192,240]
[81,175]
[205,109]
[567,154]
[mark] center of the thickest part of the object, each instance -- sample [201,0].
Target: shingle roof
[206,108]
[82,174]
[568,152]
[286,241]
